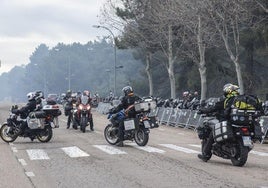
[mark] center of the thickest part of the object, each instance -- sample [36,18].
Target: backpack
[246,102]
[243,109]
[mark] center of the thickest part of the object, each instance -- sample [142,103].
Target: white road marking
[178,148]
[74,152]
[147,148]
[195,145]
[23,162]
[30,174]
[109,149]
[98,132]
[259,153]
[160,129]
[180,133]
[37,154]
[14,149]
[11,144]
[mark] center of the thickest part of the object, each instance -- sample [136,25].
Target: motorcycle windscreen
[84,99]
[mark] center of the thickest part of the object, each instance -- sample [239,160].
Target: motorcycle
[136,129]
[40,124]
[83,114]
[231,141]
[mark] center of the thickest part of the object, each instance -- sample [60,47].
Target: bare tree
[198,35]
[138,29]
[263,4]
[229,17]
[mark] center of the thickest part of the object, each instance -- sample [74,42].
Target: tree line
[76,66]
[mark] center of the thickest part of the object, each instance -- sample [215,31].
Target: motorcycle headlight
[88,107]
[80,107]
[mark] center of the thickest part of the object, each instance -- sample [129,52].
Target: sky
[25,24]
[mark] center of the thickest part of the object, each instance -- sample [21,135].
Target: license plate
[247,140]
[129,124]
[146,124]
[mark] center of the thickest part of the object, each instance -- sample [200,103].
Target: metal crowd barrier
[184,118]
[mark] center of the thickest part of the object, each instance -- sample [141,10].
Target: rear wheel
[45,135]
[7,134]
[111,134]
[240,153]
[141,137]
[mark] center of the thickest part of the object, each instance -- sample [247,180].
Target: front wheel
[83,124]
[111,134]
[45,135]
[141,137]
[240,154]
[7,134]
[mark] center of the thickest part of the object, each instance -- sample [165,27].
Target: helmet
[230,89]
[86,92]
[127,90]
[39,94]
[31,96]
[74,95]
[185,93]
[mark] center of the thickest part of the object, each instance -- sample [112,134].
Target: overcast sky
[24,24]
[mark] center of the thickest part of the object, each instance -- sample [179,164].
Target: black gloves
[200,111]
[111,111]
[15,111]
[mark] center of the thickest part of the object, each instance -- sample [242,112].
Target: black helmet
[127,90]
[39,94]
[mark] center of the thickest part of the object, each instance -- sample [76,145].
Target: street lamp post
[109,71]
[100,26]
[69,74]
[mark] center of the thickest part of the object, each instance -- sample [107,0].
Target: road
[75,159]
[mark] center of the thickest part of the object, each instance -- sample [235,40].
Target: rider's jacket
[218,107]
[127,104]
[25,110]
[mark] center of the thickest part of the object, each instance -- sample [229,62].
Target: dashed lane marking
[259,153]
[30,174]
[109,149]
[14,149]
[23,162]
[195,145]
[147,148]
[178,148]
[74,152]
[37,154]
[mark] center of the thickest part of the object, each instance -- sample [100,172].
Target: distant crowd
[188,100]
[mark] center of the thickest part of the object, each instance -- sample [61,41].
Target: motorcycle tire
[241,154]
[141,137]
[111,134]
[45,135]
[7,137]
[83,124]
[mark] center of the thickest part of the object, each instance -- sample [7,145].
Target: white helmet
[31,96]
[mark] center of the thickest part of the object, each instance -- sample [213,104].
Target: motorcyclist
[126,103]
[86,96]
[68,109]
[25,110]
[230,91]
